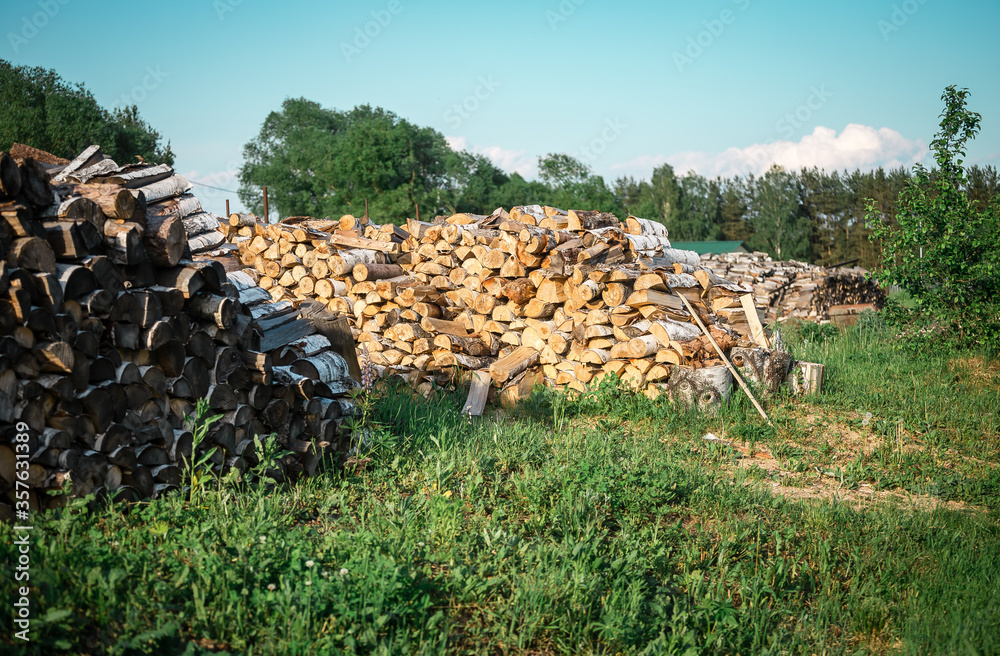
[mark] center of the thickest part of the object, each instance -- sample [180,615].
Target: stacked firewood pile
[794,289]
[111,331]
[532,295]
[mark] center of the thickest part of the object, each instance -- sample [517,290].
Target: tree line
[42,110]
[324,162]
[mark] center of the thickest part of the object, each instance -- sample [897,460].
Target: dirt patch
[805,487]
[976,371]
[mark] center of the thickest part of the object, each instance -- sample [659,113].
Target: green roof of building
[702,247]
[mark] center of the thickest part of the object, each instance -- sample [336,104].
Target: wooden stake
[227,208]
[267,218]
[722,355]
[756,329]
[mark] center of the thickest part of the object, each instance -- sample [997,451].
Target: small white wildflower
[343,571]
[420,544]
[271,586]
[310,563]
[263,539]
[308,582]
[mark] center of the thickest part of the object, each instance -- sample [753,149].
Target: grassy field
[865,522]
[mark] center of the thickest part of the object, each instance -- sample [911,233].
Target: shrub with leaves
[942,249]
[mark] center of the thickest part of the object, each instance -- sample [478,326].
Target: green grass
[603,525]
[935,414]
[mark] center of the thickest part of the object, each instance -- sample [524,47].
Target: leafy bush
[942,248]
[45,111]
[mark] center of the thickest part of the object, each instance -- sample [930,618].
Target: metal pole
[267,218]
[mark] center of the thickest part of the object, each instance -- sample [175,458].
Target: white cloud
[856,147]
[511,161]
[456,143]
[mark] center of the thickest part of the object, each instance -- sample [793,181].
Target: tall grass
[605,525]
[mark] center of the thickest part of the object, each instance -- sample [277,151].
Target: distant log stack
[111,331]
[536,294]
[793,289]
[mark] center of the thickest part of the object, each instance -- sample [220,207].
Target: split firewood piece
[443,326]
[346,241]
[56,357]
[520,290]
[514,363]
[753,319]
[478,393]
[116,202]
[643,347]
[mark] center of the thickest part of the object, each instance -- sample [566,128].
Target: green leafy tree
[942,247]
[323,162]
[734,208]
[982,184]
[665,192]
[41,110]
[779,229]
[572,185]
[698,215]
[473,183]
[636,197]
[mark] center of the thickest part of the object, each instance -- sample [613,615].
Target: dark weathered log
[105,272]
[187,279]
[123,241]
[80,207]
[19,218]
[35,183]
[76,281]
[49,293]
[32,253]
[10,176]
[766,369]
[56,357]
[67,240]
[165,240]
[220,309]
[286,334]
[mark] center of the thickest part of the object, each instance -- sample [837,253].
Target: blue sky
[719,87]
